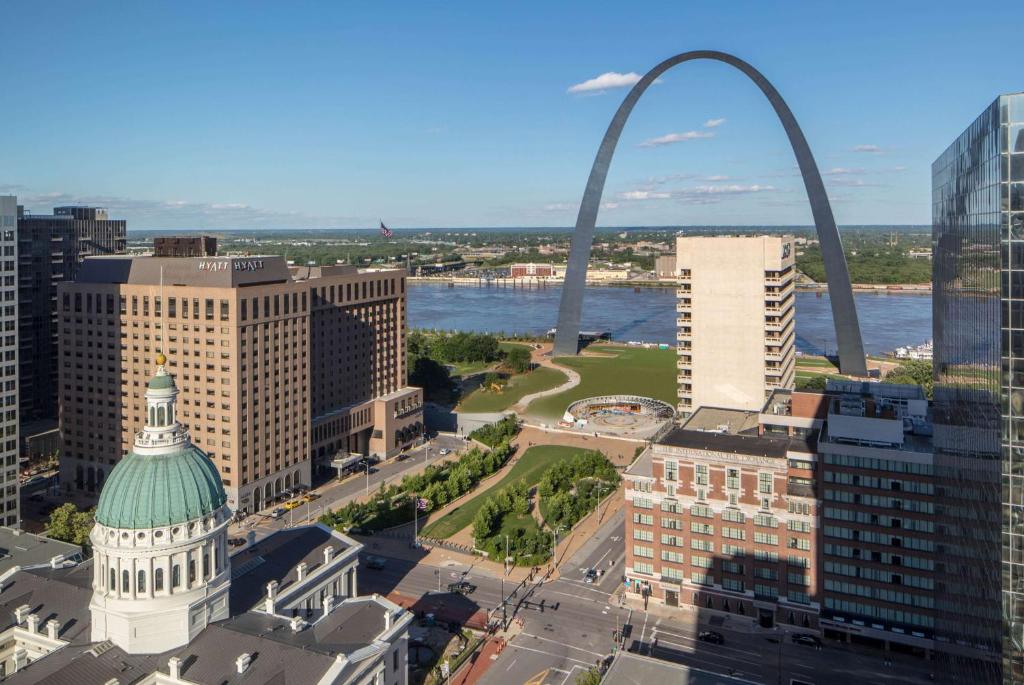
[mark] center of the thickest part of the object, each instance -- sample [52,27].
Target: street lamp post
[554,547]
[367,477]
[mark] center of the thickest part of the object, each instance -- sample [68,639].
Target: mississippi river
[886,321]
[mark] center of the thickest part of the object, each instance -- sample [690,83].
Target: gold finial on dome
[160,359]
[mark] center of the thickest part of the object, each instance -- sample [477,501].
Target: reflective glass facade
[978,244]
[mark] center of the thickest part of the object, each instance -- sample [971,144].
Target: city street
[569,626]
[335,494]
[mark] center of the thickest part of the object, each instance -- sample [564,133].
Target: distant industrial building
[535,270]
[50,250]
[735,293]
[185,246]
[281,370]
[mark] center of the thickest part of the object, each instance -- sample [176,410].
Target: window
[645,552]
[702,545]
[764,483]
[176,575]
[113,580]
[702,578]
[642,567]
[126,579]
[702,528]
[799,526]
[643,503]
[158,580]
[643,519]
[140,576]
[702,562]
[732,585]
[394,660]
[671,470]
[766,538]
[734,533]
[645,535]
[733,515]
[701,471]
[732,479]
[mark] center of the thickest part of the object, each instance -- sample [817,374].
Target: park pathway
[541,357]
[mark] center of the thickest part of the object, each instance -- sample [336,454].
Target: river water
[887,321]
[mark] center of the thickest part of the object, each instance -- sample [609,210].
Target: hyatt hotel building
[280,369]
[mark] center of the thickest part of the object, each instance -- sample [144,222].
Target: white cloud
[874,149]
[609,79]
[147,213]
[560,207]
[644,195]
[843,171]
[702,194]
[716,178]
[610,205]
[671,138]
[712,123]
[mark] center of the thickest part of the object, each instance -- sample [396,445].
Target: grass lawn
[541,378]
[530,467]
[632,370]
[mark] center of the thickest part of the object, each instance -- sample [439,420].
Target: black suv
[463,587]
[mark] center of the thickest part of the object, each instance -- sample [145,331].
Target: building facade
[850,480]
[185,246]
[978,317]
[279,370]
[50,249]
[735,293]
[726,523]
[9,447]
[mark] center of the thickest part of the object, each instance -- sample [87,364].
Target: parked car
[712,636]
[375,562]
[445,452]
[807,640]
[236,542]
[278,513]
[463,587]
[590,576]
[292,504]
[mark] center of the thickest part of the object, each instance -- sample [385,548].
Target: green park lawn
[530,467]
[541,378]
[627,370]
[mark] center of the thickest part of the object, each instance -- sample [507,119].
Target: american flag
[385,231]
[422,504]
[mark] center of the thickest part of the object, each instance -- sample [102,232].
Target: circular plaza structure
[625,415]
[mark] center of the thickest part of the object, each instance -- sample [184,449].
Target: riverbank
[543,283]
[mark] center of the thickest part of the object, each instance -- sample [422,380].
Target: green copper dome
[161,382]
[150,491]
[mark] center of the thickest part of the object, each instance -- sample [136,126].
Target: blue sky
[328,114]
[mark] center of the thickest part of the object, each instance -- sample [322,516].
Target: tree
[812,384]
[68,524]
[589,677]
[486,520]
[432,376]
[913,372]
[518,359]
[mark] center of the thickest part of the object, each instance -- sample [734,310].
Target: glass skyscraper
[978,315]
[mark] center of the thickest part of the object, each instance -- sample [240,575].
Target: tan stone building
[279,369]
[735,321]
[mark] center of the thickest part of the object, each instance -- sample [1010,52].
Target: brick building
[826,513]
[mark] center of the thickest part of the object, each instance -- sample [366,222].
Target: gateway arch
[844,313]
